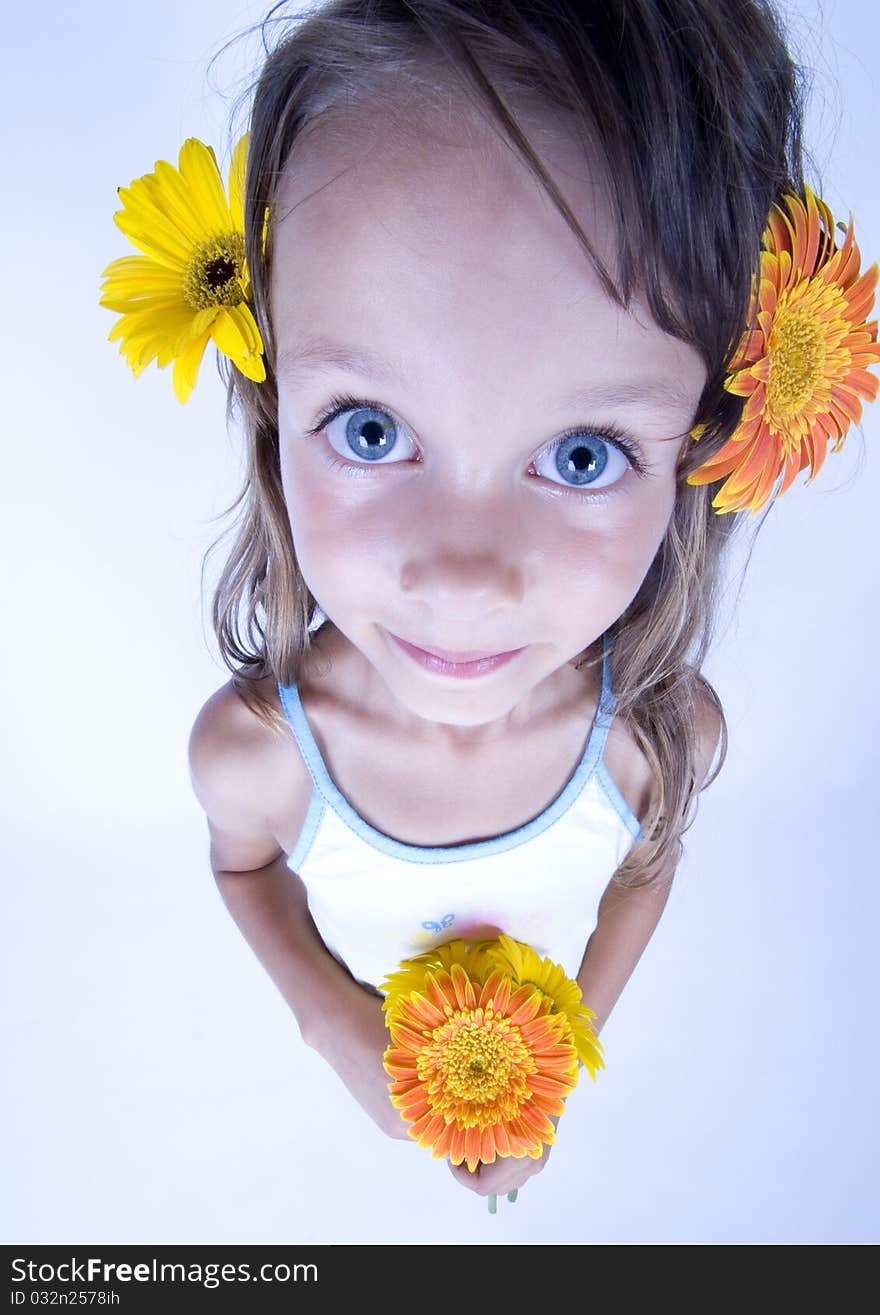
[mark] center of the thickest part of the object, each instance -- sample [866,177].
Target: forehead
[415,227]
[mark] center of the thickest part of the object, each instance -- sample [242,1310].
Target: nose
[466,556]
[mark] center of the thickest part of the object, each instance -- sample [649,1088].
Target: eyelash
[338,405]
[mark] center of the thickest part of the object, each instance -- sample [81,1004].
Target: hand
[505,1175]
[501,1177]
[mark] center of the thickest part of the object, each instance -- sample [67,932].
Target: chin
[457,708]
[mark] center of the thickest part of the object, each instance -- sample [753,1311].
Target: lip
[446,663]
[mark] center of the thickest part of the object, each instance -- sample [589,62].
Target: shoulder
[244,775]
[629,765]
[710,729]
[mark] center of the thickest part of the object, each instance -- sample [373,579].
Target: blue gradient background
[159,1091]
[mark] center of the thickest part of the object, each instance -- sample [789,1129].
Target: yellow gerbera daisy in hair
[192,282]
[479,1061]
[802,363]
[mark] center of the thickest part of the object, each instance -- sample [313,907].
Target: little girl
[501,261]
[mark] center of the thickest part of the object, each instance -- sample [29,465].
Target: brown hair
[696,108]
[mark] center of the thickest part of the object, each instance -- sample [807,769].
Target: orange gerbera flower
[480,1060]
[802,363]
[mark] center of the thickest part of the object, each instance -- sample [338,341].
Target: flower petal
[186,366]
[472,1140]
[809,319]
[178,293]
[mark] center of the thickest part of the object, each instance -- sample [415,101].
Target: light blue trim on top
[308,832]
[617,802]
[607,704]
[327,792]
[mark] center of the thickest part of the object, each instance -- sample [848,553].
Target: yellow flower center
[474,1067]
[214,274]
[475,1063]
[797,360]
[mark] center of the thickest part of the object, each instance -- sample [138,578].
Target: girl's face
[422,277]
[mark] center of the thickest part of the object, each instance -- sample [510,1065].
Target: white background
[159,1090]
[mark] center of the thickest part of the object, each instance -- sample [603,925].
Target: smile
[444,663]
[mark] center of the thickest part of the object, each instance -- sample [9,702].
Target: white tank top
[376,900]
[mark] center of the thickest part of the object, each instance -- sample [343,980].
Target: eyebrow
[324,356]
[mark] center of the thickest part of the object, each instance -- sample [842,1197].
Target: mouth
[449,663]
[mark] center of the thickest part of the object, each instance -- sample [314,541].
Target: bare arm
[628,917]
[626,922]
[336,1016]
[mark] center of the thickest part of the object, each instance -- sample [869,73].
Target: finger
[497,1179]
[468,1178]
[485,1180]
[514,1175]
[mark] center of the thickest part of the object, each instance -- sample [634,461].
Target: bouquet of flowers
[486,1043]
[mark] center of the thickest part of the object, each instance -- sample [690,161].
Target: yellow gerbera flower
[526,967]
[802,362]
[192,283]
[413,973]
[480,1060]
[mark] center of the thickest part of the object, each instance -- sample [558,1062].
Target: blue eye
[368,434]
[584,460]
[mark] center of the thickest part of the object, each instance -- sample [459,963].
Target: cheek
[613,547]
[341,537]
[353,535]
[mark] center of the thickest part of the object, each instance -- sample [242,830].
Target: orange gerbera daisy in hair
[480,1060]
[802,362]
